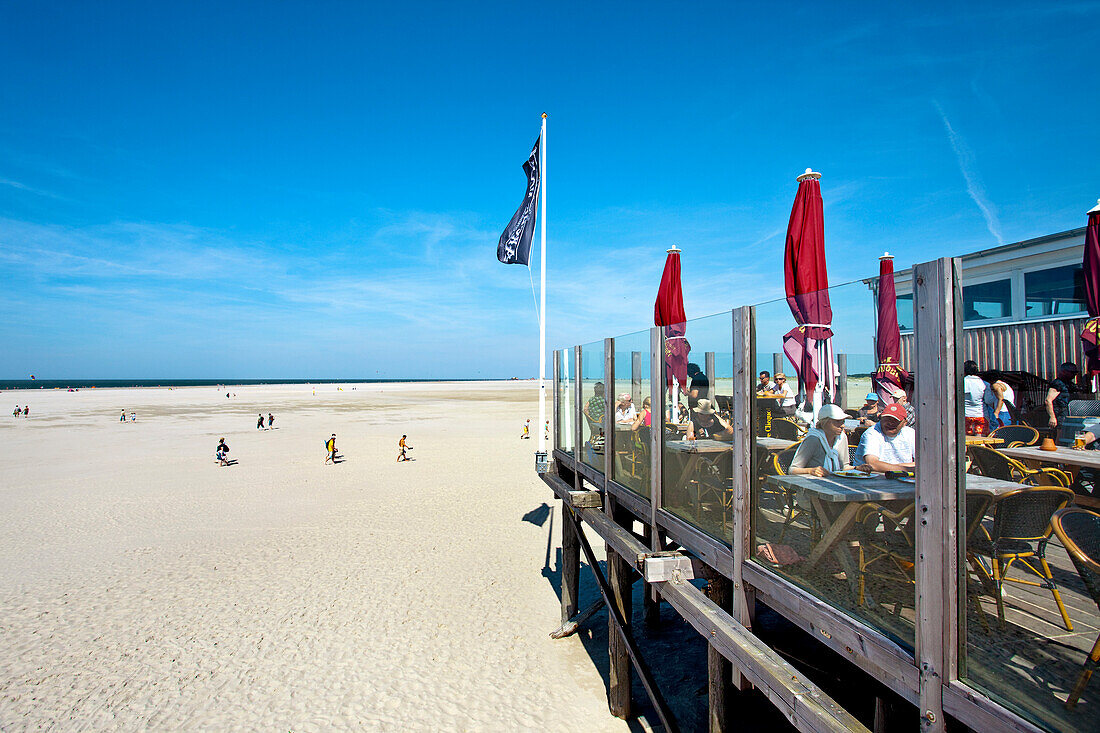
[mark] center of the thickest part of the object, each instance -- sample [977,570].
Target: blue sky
[316,189]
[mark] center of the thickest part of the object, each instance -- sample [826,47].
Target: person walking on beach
[17,411]
[123,417]
[222,453]
[270,420]
[402,446]
[330,447]
[260,422]
[526,430]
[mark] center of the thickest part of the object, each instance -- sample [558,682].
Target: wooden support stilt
[618,579]
[570,570]
[719,669]
[651,599]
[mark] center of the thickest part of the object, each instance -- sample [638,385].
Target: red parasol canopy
[889,376]
[1091,266]
[807,285]
[668,311]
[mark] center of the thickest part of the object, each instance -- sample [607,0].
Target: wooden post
[555,434]
[777,364]
[656,439]
[609,402]
[719,669]
[741,541]
[636,379]
[708,369]
[570,544]
[578,416]
[842,381]
[939,425]
[618,579]
[651,601]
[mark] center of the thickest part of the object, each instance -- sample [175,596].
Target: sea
[6,384]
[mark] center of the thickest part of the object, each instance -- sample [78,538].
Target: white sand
[144,587]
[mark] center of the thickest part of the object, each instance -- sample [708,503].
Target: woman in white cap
[705,423]
[824,449]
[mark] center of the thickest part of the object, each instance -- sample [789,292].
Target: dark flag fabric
[668,311]
[889,376]
[1091,265]
[514,247]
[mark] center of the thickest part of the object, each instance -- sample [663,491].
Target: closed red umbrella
[1091,266]
[668,311]
[807,283]
[889,376]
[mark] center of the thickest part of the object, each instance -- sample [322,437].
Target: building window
[987,300]
[905,312]
[1055,292]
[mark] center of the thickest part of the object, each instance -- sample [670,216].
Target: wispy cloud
[974,186]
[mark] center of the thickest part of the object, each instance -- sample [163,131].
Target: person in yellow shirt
[402,446]
[330,447]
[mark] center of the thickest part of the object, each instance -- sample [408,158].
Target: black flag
[514,247]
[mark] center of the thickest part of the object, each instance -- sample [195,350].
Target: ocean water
[106,383]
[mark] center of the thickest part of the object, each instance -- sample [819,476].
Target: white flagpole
[542,294]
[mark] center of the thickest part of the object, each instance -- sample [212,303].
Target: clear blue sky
[316,189]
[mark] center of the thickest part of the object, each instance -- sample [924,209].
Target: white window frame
[1014,286]
[1023,294]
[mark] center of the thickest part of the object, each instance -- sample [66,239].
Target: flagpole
[542,294]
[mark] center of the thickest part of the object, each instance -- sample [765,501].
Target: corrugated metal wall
[1031,347]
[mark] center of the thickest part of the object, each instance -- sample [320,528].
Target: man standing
[402,446]
[330,448]
[1057,399]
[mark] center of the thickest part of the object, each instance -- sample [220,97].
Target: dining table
[985,440]
[836,500]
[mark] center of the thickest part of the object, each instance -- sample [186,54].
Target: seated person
[683,416]
[786,402]
[903,399]
[871,410]
[705,423]
[890,445]
[625,412]
[645,417]
[765,385]
[824,449]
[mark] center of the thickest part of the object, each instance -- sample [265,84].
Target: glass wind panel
[846,539]
[592,405]
[565,401]
[1028,615]
[1055,292]
[905,312]
[630,464]
[698,450]
[987,300]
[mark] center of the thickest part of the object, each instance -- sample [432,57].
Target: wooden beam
[608,408]
[586,499]
[578,417]
[657,427]
[636,379]
[936,288]
[556,407]
[842,380]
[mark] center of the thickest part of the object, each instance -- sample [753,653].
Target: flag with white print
[514,247]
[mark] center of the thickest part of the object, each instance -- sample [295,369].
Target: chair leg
[862,577]
[999,585]
[1057,596]
[1086,673]
[980,612]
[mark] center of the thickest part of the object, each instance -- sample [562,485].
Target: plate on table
[908,480]
[852,474]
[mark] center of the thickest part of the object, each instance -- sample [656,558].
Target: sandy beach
[142,586]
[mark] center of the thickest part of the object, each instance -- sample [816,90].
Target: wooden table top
[775,444]
[983,440]
[703,445]
[1064,455]
[878,487]
[769,396]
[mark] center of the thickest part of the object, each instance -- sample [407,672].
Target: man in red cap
[890,445]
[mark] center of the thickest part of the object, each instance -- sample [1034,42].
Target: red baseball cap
[895,411]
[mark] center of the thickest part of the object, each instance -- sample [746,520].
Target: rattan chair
[1016,435]
[1021,530]
[1079,532]
[990,462]
[786,428]
[781,466]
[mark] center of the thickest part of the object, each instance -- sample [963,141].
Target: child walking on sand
[402,446]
